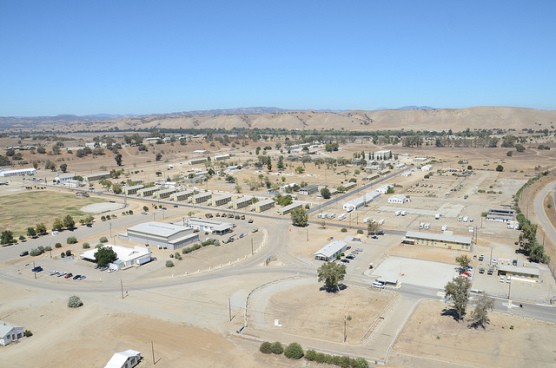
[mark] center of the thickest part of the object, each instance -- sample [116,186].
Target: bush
[294,351]
[266,348]
[58,245]
[344,230]
[277,348]
[359,231]
[103,240]
[63,255]
[311,355]
[68,253]
[86,245]
[36,252]
[71,240]
[169,263]
[27,333]
[74,302]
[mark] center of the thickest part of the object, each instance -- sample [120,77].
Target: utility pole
[229,309]
[152,347]
[122,287]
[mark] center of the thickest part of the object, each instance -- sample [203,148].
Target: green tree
[479,317]
[7,237]
[69,223]
[145,209]
[105,255]
[280,165]
[57,225]
[332,274]
[31,232]
[294,351]
[457,291]
[299,217]
[276,348]
[118,159]
[463,261]
[325,193]
[372,227]
[41,229]
[499,168]
[64,167]
[116,188]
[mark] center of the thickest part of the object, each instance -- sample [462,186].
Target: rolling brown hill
[409,119]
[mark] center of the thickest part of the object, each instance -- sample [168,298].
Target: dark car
[24,253]
[68,275]
[374,237]
[36,269]
[77,277]
[345,260]
[250,221]
[380,232]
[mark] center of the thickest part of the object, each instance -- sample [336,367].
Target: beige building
[445,240]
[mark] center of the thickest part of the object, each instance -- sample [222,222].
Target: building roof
[439,237]
[138,186]
[330,249]
[118,359]
[124,253]
[158,228]
[215,225]
[222,196]
[264,202]
[202,195]
[244,199]
[167,191]
[6,327]
[292,206]
[519,269]
[185,192]
[398,196]
[99,173]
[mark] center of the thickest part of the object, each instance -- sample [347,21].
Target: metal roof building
[162,234]
[442,240]
[216,227]
[331,250]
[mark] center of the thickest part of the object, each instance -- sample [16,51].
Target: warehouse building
[242,202]
[221,200]
[444,240]
[287,209]
[201,197]
[517,271]
[221,157]
[97,176]
[263,205]
[131,190]
[331,251]
[166,193]
[18,172]
[503,215]
[162,235]
[309,189]
[62,178]
[182,196]
[147,192]
[215,227]
[196,161]
[398,199]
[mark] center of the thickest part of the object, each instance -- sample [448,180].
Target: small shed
[10,333]
[124,359]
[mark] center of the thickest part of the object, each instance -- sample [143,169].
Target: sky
[145,57]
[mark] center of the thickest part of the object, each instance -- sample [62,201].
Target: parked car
[254,230]
[36,269]
[250,221]
[374,237]
[481,270]
[24,253]
[68,275]
[345,260]
[352,257]
[60,274]
[378,285]
[481,258]
[241,235]
[243,217]
[77,277]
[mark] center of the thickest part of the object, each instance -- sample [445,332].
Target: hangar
[162,235]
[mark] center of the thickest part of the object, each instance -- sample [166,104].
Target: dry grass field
[432,340]
[23,210]
[310,312]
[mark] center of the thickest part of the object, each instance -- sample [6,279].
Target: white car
[501,278]
[378,285]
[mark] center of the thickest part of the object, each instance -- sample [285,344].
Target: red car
[68,275]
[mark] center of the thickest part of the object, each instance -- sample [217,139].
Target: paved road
[540,213]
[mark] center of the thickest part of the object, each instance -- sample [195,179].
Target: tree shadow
[451,312]
[333,289]
[476,325]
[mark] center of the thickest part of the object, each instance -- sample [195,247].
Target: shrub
[71,240]
[103,240]
[103,218]
[63,255]
[74,302]
[130,212]
[27,333]
[277,348]
[311,355]
[36,252]
[86,245]
[58,245]
[359,231]
[294,351]
[359,363]
[344,230]
[266,348]
[169,263]
[68,253]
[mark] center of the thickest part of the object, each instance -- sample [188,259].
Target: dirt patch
[509,341]
[307,311]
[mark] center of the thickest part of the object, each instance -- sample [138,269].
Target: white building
[124,359]
[215,227]
[10,333]
[398,199]
[331,250]
[287,209]
[427,167]
[18,172]
[98,176]
[162,234]
[127,257]
[61,178]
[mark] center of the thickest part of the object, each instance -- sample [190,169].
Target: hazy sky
[118,56]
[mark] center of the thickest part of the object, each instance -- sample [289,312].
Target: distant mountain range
[408,118]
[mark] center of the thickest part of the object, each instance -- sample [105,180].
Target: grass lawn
[20,211]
